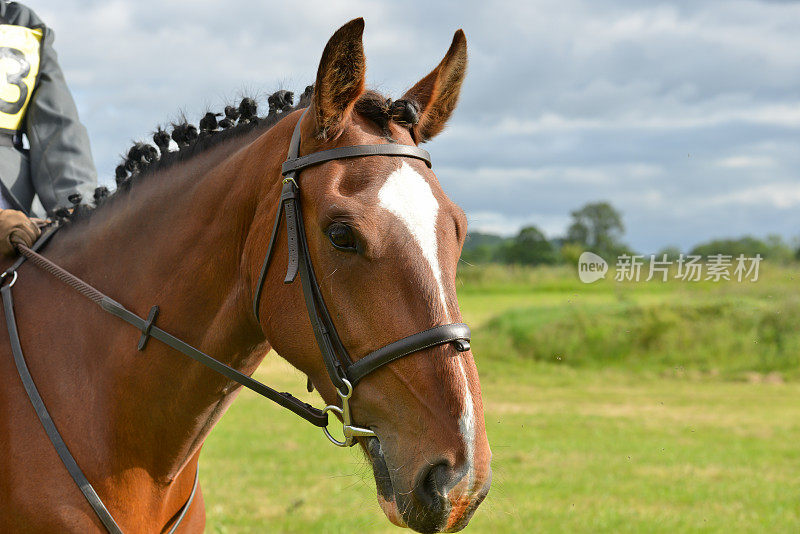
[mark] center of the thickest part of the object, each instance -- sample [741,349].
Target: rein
[342,370]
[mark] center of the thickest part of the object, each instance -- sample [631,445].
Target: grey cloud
[683,114]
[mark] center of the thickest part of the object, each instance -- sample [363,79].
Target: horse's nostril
[431,490]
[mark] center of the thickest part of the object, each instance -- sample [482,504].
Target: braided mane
[143,159]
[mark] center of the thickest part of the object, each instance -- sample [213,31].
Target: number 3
[15,78]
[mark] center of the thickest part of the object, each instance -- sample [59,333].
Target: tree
[571,253]
[779,249]
[482,248]
[597,227]
[671,252]
[530,247]
[773,248]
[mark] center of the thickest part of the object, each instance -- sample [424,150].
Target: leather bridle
[343,371]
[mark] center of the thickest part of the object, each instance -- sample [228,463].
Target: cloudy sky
[685,115]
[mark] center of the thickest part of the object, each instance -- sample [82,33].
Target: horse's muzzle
[442,499]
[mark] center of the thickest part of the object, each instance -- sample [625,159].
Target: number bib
[19,65]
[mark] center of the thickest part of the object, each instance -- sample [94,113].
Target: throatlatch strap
[267,259]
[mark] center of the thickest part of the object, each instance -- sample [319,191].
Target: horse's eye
[342,236]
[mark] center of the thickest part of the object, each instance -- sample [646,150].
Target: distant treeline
[598,227]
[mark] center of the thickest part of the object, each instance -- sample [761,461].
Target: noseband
[342,370]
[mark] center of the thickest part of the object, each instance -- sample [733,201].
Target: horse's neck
[177,241]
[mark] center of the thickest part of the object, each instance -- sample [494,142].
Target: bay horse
[189,231]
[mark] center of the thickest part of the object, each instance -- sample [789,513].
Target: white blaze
[409,197]
[466,424]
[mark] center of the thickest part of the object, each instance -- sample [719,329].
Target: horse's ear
[437,93]
[340,78]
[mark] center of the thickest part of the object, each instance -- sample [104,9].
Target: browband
[355,151]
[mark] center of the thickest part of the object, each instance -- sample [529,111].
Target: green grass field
[649,407]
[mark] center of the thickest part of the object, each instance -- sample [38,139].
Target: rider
[35,101]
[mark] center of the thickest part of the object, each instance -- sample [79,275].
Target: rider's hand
[41,223]
[17,226]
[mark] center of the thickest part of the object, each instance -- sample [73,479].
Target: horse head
[384,240]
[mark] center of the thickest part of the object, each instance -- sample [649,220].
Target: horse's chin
[392,512]
[383,482]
